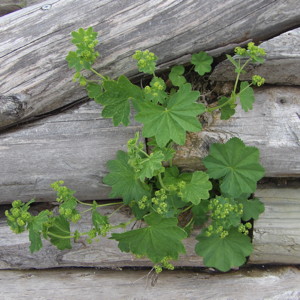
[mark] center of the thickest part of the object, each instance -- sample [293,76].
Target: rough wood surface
[9,6]
[15,254]
[276,240]
[34,41]
[252,284]
[281,66]
[273,126]
[73,146]
[276,235]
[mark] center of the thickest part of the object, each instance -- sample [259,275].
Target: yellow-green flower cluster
[221,208]
[159,201]
[245,228]
[144,202]
[157,86]
[18,216]
[258,80]
[93,233]
[70,214]
[165,263]
[254,52]
[180,186]
[63,192]
[85,55]
[219,230]
[146,61]
[85,41]
[225,213]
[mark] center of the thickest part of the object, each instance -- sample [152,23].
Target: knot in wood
[11,108]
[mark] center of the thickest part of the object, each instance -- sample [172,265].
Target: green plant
[156,191]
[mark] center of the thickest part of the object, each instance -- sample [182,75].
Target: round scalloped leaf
[224,253]
[252,208]
[161,238]
[172,122]
[198,188]
[202,62]
[236,165]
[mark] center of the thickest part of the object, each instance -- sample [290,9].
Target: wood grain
[276,240]
[273,126]
[9,6]
[254,284]
[73,146]
[276,235]
[34,42]
[281,66]
[15,254]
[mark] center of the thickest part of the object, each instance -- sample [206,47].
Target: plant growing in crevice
[156,191]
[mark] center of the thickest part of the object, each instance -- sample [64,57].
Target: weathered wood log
[9,6]
[72,146]
[276,235]
[81,161]
[253,284]
[281,66]
[273,126]
[276,240]
[15,254]
[34,75]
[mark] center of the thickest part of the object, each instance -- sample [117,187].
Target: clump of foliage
[156,191]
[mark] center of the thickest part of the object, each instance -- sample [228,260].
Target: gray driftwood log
[273,126]
[276,240]
[74,146]
[9,6]
[35,40]
[281,66]
[276,235]
[15,254]
[254,284]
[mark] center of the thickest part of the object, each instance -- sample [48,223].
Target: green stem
[239,73]
[83,203]
[89,209]
[60,236]
[108,204]
[233,94]
[123,225]
[187,208]
[245,88]
[142,151]
[98,74]
[92,81]
[161,182]
[116,210]
[189,223]
[98,205]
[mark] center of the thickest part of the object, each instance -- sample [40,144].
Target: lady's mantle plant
[156,191]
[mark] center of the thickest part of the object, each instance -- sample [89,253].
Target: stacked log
[50,131]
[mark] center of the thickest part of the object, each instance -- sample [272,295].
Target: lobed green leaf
[236,165]
[224,253]
[162,238]
[202,62]
[124,181]
[246,96]
[172,122]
